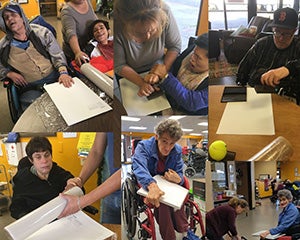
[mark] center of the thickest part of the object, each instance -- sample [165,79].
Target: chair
[16,103]
[235,47]
[133,206]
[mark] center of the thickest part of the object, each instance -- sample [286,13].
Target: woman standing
[143,31]
[76,15]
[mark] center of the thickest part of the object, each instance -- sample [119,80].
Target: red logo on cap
[282,16]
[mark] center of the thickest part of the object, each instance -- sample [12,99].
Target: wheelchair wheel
[129,208]
[13,103]
[190,172]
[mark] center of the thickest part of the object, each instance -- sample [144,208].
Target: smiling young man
[274,60]
[161,155]
[289,216]
[39,180]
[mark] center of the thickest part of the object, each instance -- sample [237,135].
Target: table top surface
[286,119]
[43,116]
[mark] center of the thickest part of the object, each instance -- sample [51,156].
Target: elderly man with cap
[29,53]
[273,60]
[187,87]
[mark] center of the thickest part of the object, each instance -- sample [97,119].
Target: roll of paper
[40,217]
[101,80]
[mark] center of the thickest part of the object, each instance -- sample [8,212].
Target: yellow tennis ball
[217,150]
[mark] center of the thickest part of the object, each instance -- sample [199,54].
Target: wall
[288,170]
[65,155]
[269,167]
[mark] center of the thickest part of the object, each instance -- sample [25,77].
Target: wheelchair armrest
[90,209]
[7,82]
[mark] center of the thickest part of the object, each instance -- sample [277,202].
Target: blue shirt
[287,218]
[145,159]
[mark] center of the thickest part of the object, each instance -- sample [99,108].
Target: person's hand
[73,182]
[154,194]
[236,237]
[71,207]
[145,90]
[66,80]
[17,78]
[159,70]
[264,234]
[151,78]
[273,76]
[172,176]
[81,58]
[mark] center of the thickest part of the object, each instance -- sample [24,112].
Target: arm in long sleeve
[190,100]
[140,166]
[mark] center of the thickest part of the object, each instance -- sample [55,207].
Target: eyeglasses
[285,35]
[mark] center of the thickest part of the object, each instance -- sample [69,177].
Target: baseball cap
[202,41]
[285,18]
[12,8]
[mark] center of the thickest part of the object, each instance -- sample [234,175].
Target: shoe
[191,236]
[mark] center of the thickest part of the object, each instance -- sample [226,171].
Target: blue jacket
[145,159]
[193,102]
[287,218]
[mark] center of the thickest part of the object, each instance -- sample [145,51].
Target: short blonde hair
[129,12]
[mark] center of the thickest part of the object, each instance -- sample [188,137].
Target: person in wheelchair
[39,180]
[29,53]
[221,220]
[186,88]
[161,155]
[289,217]
[100,48]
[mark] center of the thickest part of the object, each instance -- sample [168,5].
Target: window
[186,13]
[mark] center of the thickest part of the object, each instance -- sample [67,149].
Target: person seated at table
[29,53]
[100,48]
[289,216]
[188,91]
[221,220]
[161,155]
[145,33]
[274,60]
[38,182]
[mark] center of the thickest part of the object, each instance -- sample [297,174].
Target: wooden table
[286,119]
[116,228]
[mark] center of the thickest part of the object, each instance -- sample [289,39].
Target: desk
[286,120]
[116,228]
[43,116]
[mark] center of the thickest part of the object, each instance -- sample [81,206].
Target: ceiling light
[132,119]
[137,128]
[195,134]
[187,130]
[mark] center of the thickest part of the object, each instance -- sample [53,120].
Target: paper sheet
[269,236]
[140,106]
[78,226]
[100,79]
[254,117]
[40,217]
[174,194]
[76,103]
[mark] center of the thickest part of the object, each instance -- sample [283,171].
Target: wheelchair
[133,206]
[14,93]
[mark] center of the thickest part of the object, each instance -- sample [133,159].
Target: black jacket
[30,192]
[264,56]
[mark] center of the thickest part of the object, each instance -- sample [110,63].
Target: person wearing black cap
[29,53]
[187,88]
[273,60]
